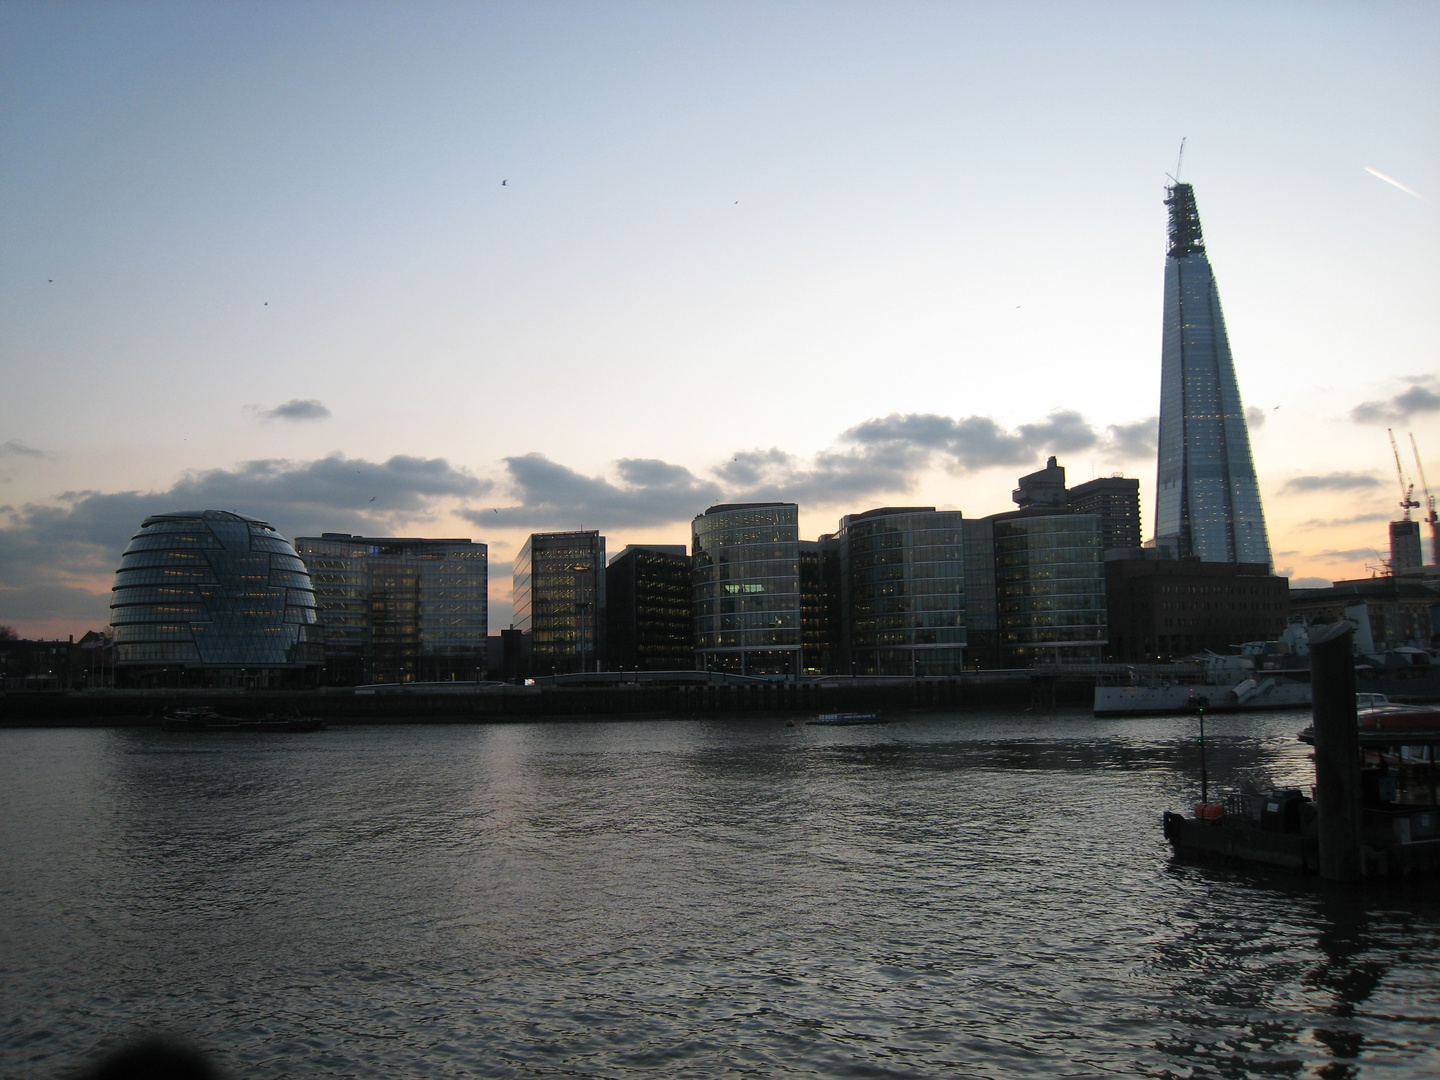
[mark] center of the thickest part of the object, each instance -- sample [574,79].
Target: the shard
[1207,497]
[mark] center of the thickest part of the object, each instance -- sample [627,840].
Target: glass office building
[903,584]
[745,567]
[559,599]
[822,638]
[215,599]
[1207,496]
[1049,588]
[400,609]
[648,625]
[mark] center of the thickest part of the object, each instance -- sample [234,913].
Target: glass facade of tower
[215,598]
[400,609]
[746,586]
[1049,588]
[559,598]
[1207,495]
[904,591]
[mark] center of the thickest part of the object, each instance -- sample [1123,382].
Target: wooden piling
[1337,752]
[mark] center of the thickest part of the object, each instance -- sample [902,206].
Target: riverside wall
[492,704]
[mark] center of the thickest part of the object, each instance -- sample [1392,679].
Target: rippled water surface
[959,896]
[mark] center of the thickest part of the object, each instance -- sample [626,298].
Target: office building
[821,616]
[559,600]
[212,598]
[1405,547]
[1163,609]
[400,609]
[903,591]
[745,575]
[1207,496]
[648,621]
[1049,588]
[1396,611]
[1116,501]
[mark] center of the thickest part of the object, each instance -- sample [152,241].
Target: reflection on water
[959,896]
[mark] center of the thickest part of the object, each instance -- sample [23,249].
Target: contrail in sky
[1392,180]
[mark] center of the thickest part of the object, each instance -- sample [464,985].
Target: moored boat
[1399,804]
[203,718]
[846,719]
[1211,682]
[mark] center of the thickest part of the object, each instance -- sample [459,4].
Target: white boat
[1211,682]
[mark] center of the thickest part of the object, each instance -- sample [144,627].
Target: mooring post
[1337,751]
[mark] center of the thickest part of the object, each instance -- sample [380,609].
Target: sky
[485,269]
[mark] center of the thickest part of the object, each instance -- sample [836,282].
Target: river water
[948,895]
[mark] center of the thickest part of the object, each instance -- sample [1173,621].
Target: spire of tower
[1185,237]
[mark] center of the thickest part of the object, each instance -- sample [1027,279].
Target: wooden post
[1337,751]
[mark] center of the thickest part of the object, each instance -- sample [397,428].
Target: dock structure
[1374,812]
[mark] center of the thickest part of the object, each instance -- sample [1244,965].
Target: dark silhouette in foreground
[153,1059]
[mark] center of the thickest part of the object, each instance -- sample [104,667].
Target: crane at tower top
[1431,518]
[1407,491]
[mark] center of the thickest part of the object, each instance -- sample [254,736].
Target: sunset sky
[484,269]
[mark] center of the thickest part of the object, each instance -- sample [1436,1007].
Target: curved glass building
[1207,496]
[213,598]
[745,575]
[904,590]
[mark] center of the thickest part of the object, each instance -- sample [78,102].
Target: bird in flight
[374,497]
[504,182]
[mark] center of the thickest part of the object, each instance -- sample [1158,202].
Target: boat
[846,719]
[1209,681]
[1400,804]
[206,719]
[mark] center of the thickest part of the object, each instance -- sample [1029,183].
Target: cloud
[1332,523]
[1063,431]
[883,455]
[652,492]
[56,560]
[1335,481]
[974,442]
[1137,439]
[1255,417]
[1349,555]
[276,487]
[1422,397]
[16,448]
[297,409]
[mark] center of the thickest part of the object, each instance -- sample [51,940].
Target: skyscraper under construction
[1207,497]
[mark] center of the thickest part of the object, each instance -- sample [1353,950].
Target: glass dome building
[216,599]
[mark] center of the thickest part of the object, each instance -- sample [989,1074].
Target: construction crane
[1430,517]
[1407,491]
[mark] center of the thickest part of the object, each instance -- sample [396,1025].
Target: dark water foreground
[946,896]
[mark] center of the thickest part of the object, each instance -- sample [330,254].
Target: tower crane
[1430,517]
[1407,491]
